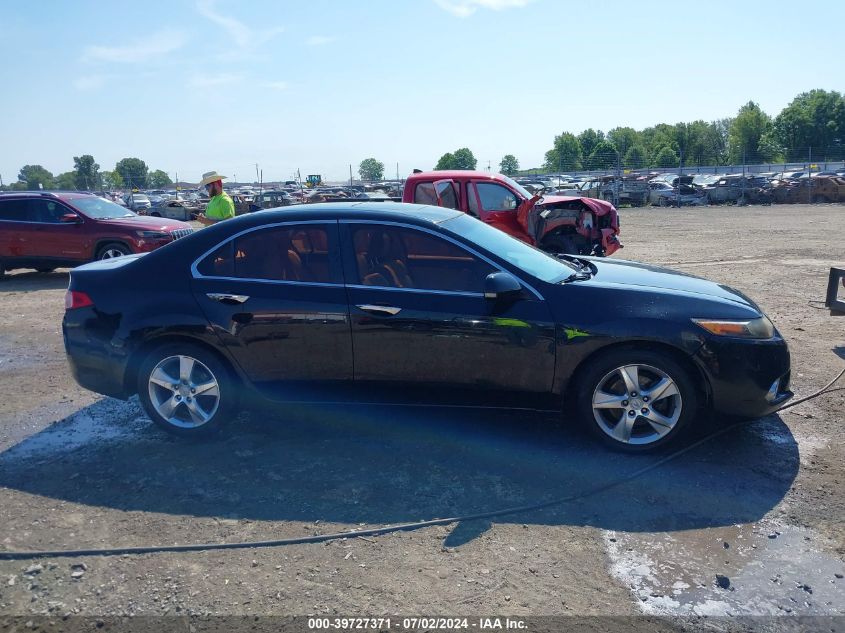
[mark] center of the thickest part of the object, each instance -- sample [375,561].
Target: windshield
[527,258]
[100,209]
[517,187]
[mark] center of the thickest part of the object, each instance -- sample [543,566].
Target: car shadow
[385,465]
[33,280]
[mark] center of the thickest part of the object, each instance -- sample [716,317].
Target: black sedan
[357,301]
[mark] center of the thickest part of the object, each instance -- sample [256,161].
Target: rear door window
[15,210]
[282,253]
[446,194]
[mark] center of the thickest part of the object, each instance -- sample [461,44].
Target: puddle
[767,569]
[106,421]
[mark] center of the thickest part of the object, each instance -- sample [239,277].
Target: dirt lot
[749,524]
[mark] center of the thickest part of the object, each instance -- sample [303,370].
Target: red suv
[47,230]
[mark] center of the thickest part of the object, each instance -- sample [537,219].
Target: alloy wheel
[111,253]
[184,391]
[637,404]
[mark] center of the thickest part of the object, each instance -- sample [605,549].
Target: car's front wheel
[186,390]
[110,251]
[636,400]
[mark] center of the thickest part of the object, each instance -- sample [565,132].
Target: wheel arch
[130,377]
[680,356]
[105,241]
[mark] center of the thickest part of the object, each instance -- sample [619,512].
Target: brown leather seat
[383,263]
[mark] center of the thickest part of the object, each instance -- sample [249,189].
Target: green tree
[565,154]
[603,156]
[36,177]
[588,139]
[666,157]
[624,138]
[133,172]
[86,171]
[635,157]
[371,169]
[748,127]
[111,180]
[447,161]
[464,159]
[66,180]
[509,165]
[814,119]
[158,179]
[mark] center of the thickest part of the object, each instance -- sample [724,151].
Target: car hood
[147,223]
[618,274]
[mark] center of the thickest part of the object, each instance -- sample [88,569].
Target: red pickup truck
[556,224]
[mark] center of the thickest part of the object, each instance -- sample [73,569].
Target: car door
[54,239]
[496,205]
[17,231]
[274,296]
[419,317]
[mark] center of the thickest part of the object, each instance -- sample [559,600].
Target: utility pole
[350,174]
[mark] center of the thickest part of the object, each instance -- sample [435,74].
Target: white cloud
[89,82]
[155,45]
[242,35]
[465,8]
[213,80]
[319,40]
[275,85]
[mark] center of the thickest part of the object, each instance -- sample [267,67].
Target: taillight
[75,299]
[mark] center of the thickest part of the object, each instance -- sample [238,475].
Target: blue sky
[195,85]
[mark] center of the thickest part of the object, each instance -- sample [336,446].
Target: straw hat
[209,177]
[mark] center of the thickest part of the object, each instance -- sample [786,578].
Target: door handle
[388,310]
[227,298]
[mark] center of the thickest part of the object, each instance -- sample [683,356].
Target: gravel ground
[750,524]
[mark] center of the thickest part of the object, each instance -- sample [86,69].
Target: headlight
[153,235]
[755,328]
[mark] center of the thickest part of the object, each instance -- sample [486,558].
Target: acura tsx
[409,305]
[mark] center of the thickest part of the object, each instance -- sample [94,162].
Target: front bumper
[748,378]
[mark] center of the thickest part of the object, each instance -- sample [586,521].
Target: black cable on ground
[321,538]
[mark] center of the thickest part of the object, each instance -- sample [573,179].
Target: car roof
[358,210]
[460,174]
[62,195]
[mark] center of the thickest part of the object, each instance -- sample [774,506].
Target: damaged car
[555,224]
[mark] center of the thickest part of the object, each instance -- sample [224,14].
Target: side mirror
[71,218]
[498,286]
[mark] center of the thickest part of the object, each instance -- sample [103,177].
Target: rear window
[299,253]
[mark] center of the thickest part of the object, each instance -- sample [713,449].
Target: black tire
[601,369]
[210,368]
[155,214]
[560,244]
[112,247]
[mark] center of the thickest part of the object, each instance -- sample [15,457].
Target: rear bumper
[95,363]
[748,378]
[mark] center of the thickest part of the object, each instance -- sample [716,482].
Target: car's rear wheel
[636,400]
[186,390]
[115,249]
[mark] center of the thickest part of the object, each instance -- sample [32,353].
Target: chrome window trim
[197,275]
[448,239]
[284,282]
